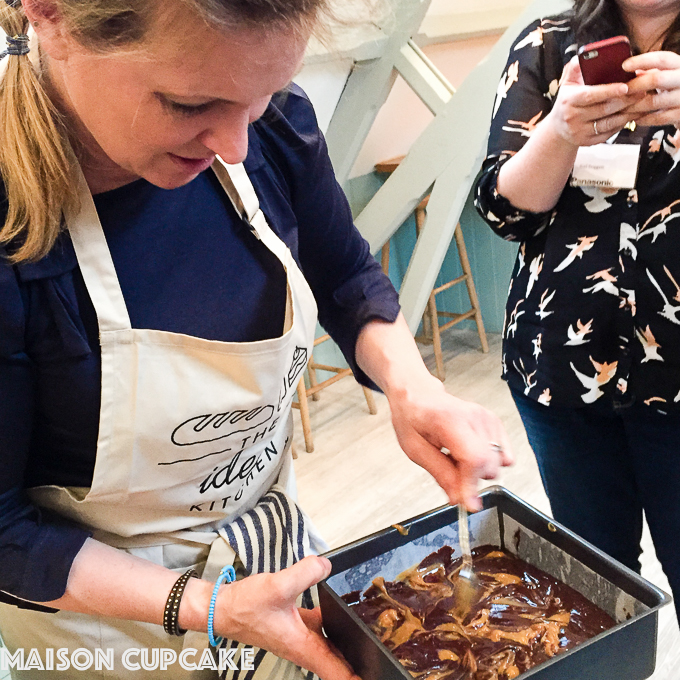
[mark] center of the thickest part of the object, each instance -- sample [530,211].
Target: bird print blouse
[593,312]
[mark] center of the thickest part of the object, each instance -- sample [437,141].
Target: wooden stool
[315,387]
[432,329]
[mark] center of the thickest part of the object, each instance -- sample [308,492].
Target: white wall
[460,34]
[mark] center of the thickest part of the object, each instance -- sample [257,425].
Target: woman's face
[651,8]
[163,113]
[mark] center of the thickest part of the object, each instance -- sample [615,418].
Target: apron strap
[242,195]
[238,187]
[245,199]
[96,264]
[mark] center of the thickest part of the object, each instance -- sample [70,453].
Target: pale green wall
[491,260]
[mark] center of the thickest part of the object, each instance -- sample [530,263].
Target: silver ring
[595,128]
[496,447]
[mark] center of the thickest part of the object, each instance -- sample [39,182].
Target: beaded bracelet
[226,574]
[171,612]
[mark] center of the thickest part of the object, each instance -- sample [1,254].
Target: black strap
[6,598]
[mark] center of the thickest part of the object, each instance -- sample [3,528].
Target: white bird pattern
[655,231]
[525,129]
[507,81]
[520,257]
[603,374]
[655,142]
[535,268]
[669,311]
[537,345]
[605,282]
[512,323]
[578,337]
[628,300]
[626,243]
[585,243]
[535,39]
[598,198]
[666,214]
[671,145]
[545,301]
[649,344]
[553,88]
[527,377]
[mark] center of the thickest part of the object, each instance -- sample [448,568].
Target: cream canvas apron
[192,434]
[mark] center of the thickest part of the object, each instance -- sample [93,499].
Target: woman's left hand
[658,76]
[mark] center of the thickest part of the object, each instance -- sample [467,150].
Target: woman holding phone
[593,316]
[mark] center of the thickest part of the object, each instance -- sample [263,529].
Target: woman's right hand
[584,115]
[260,610]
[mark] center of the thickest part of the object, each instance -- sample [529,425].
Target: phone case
[601,61]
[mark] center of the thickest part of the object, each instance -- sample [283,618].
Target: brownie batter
[521,618]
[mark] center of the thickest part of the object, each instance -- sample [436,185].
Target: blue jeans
[602,467]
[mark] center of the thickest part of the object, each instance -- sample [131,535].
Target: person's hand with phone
[584,115]
[657,85]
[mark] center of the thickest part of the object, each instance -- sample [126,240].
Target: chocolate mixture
[522,617]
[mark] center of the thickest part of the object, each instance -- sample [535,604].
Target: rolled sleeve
[36,551]
[509,222]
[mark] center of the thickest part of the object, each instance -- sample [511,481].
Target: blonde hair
[37,162]
[35,158]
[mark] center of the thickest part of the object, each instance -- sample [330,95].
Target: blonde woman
[166,188]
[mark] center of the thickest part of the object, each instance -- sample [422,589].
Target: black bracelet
[171,613]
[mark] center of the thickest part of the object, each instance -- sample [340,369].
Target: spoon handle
[464,537]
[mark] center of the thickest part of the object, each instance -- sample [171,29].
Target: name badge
[609,166]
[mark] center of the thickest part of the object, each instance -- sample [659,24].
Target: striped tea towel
[272,536]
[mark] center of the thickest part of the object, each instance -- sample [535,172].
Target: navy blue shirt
[186,264]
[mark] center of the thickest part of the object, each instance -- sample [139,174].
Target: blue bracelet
[226,574]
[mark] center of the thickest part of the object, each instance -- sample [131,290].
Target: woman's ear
[48,23]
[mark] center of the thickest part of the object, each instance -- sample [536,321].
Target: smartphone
[601,61]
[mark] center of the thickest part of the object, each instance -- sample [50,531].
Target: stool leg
[428,326]
[470,283]
[311,372]
[304,415]
[385,259]
[370,400]
[428,321]
[436,337]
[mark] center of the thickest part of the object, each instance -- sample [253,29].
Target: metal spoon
[468,586]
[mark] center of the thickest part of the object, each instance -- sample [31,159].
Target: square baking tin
[625,652]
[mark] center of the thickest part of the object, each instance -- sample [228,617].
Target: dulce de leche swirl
[522,618]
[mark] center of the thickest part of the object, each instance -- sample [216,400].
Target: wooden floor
[358,481]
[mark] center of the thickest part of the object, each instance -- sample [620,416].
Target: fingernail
[327,564]
[474,504]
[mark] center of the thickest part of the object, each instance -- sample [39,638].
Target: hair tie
[17,46]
